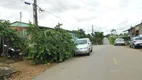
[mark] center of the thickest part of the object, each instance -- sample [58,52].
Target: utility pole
[20,17]
[92,29]
[35,16]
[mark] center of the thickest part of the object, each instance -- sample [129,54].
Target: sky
[104,15]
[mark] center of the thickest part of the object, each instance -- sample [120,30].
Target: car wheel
[91,50]
[134,47]
[88,54]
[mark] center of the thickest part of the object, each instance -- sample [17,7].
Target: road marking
[115,61]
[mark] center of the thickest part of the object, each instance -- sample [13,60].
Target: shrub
[47,46]
[111,40]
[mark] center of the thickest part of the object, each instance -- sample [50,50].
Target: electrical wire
[59,17]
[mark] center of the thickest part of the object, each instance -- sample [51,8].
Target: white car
[136,42]
[84,46]
[119,41]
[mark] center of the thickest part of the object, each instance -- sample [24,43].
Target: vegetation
[9,36]
[45,45]
[49,45]
[96,37]
[113,32]
[112,39]
[42,45]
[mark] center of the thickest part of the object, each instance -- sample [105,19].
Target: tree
[120,34]
[107,35]
[80,33]
[58,26]
[4,32]
[113,32]
[98,37]
[9,37]
[47,45]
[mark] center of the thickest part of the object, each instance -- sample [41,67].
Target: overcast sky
[103,14]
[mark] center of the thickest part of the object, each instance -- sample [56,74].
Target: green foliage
[80,33]
[49,45]
[111,40]
[97,38]
[10,34]
[4,28]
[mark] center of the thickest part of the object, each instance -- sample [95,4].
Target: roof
[23,24]
[129,29]
[138,24]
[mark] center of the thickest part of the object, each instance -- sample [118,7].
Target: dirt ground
[26,70]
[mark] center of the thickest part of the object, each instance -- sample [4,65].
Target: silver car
[84,46]
[119,41]
[136,42]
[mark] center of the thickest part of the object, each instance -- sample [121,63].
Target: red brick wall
[17,28]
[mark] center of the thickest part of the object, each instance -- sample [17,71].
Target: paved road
[107,62]
[106,41]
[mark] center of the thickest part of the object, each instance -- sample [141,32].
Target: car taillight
[135,41]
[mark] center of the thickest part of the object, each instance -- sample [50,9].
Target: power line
[59,17]
[64,8]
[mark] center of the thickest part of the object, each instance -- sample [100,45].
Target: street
[107,62]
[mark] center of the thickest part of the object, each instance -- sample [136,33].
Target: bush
[47,46]
[111,40]
[97,38]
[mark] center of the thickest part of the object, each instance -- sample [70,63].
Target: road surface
[106,41]
[107,62]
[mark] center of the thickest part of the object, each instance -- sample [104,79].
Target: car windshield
[119,39]
[81,42]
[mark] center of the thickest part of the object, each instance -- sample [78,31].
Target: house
[134,31]
[21,28]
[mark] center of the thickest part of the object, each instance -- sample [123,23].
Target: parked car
[119,41]
[84,46]
[136,42]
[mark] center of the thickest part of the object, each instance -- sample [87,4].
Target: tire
[134,47]
[130,46]
[91,50]
[88,54]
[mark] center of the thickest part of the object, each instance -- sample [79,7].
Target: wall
[21,30]
[140,29]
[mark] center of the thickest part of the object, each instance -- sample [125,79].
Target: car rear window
[140,38]
[119,39]
[81,42]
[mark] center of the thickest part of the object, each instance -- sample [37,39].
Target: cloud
[103,14]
